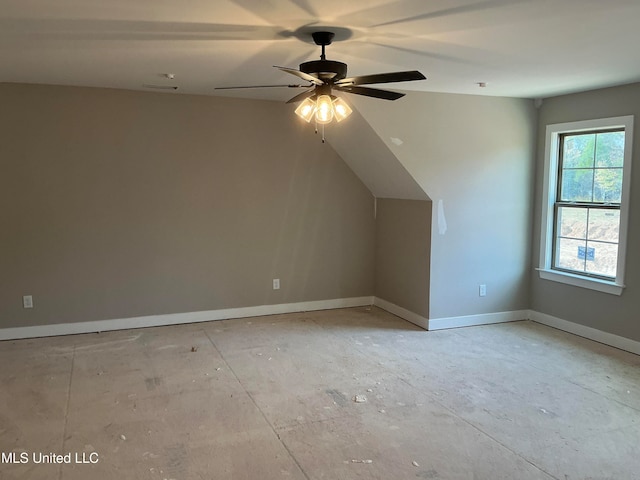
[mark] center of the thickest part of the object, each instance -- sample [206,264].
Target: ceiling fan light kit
[325,76]
[324,109]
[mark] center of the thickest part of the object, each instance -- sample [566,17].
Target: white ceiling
[520,48]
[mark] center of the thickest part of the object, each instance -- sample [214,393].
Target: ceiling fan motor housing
[325,69]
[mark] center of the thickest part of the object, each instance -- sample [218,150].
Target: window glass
[604,225]
[587,223]
[607,185]
[577,185]
[579,151]
[585,211]
[610,149]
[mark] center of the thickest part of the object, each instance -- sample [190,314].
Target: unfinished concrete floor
[273,398]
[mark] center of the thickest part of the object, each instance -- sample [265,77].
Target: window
[586,191]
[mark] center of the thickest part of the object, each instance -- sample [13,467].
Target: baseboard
[229,313]
[587,332]
[401,312]
[177,318]
[480,319]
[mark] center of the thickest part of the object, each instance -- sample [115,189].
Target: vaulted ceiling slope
[371,160]
[519,48]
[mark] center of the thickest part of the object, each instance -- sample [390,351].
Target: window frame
[549,199]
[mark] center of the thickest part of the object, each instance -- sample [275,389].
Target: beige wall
[475,157]
[403,241]
[611,313]
[117,204]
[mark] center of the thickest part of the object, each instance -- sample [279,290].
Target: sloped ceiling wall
[474,156]
[403,214]
[372,161]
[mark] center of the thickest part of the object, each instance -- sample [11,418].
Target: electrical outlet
[482,290]
[27,301]
[276,284]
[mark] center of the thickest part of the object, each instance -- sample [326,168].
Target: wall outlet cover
[27,301]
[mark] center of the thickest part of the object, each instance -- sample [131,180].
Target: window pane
[572,222]
[577,185]
[608,185]
[570,254]
[603,259]
[610,149]
[579,151]
[583,228]
[604,225]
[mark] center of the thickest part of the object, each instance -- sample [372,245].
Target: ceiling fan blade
[383,78]
[302,75]
[262,86]
[302,96]
[370,92]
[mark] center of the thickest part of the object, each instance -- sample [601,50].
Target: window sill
[584,282]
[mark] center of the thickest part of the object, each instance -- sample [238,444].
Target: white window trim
[549,196]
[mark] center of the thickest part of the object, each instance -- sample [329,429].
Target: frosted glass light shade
[306,109]
[324,109]
[341,109]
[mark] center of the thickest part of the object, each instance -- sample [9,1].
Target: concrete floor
[273,398]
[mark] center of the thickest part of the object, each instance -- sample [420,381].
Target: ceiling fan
[325,76]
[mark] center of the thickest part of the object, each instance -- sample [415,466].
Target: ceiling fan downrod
[323,39]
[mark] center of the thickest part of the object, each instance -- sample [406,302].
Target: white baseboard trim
[401,312]
[242,312]
[480,319]
[587,332]
[177,318]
